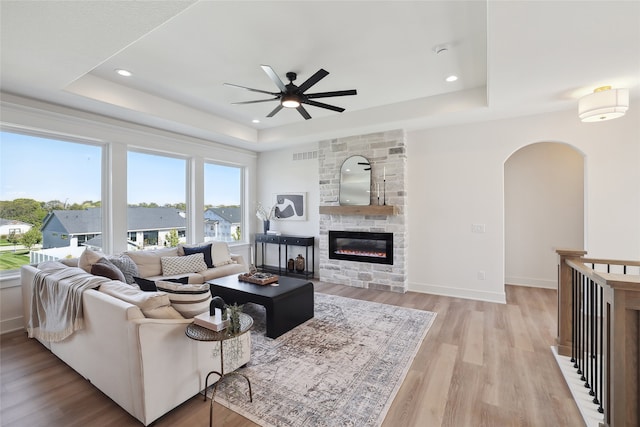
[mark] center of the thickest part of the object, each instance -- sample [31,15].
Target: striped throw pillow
[188,300]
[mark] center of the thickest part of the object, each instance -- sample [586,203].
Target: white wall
[544,210]
[279,172]
[456,180]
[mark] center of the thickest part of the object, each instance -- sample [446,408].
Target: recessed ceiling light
[123,73]
[255,121]
[451,78]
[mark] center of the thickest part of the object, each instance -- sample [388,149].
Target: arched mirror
[355,181]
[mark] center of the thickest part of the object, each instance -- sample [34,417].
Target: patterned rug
[341,368]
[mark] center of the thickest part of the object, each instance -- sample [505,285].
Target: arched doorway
[544,210]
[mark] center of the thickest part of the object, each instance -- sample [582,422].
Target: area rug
[341,368]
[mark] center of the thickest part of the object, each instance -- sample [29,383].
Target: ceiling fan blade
[303,112]
[322,105]
[274,77]
[256,101]
[253,90]
[275,110]
[319,75]
[330,94]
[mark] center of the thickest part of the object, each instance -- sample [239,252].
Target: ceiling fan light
[603,104]
[290,101]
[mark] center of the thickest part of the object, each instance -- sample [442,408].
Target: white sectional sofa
[148,366]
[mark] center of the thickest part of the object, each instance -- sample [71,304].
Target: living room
[454,172]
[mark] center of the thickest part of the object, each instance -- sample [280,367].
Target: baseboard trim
[531,282]
[588,410]
[10,325]
[446,291]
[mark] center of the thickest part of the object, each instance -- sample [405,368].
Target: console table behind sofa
[285,241]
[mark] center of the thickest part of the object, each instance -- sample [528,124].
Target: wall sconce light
[603,104]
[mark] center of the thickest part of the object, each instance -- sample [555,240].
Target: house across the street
[146,226]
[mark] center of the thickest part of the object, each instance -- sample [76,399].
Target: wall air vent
[306,155]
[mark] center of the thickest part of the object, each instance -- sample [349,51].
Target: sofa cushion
[126,265]
[88,258]
[172,265]
[220,254]
[225,270]
[105,268]
[148,302]
[148,262]
[188,300]
[204,249]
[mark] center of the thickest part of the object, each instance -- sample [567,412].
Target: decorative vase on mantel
[265,224]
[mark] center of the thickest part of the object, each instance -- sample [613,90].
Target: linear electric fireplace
[361,246]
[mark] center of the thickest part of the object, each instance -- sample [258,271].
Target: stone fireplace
[361,266]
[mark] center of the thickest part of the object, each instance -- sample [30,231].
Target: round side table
[200,333]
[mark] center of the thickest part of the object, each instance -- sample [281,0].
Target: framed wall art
[290,206]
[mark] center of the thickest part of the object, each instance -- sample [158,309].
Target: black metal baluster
[580,326]
[601,389]
[592,352]
[574,317]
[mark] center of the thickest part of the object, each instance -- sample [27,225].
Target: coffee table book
[215,323]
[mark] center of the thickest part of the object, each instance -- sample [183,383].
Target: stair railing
[599,328]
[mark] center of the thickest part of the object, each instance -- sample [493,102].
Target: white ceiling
[511,57]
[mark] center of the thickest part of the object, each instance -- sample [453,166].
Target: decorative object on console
[300,264]
[291,264]
[265,217]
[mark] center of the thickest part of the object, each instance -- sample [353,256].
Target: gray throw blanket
[56,302]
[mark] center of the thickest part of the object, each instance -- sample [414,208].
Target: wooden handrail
[621,327]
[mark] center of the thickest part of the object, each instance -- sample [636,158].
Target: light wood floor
[481,364]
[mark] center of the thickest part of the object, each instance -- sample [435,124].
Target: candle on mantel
[384,173]
[378,189]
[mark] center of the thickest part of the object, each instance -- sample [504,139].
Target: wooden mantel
[359,210]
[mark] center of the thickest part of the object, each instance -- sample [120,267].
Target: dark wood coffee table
[288,305]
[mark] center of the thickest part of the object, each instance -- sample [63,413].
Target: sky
[45,169]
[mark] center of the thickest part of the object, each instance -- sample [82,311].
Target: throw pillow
[205,250]
[148,262]
[150,285]
[174,265]
[88,258]
[188,300]
[145,284]
[127,266]
[220,254]
[105,268]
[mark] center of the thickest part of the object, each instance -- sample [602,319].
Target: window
[52,188]
[222,202]
[156,195]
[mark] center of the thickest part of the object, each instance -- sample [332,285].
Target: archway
[544,209]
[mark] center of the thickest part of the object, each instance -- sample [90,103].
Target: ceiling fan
[292,96]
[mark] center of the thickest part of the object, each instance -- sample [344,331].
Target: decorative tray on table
[259,278]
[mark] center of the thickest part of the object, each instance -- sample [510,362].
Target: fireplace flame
[361,253]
